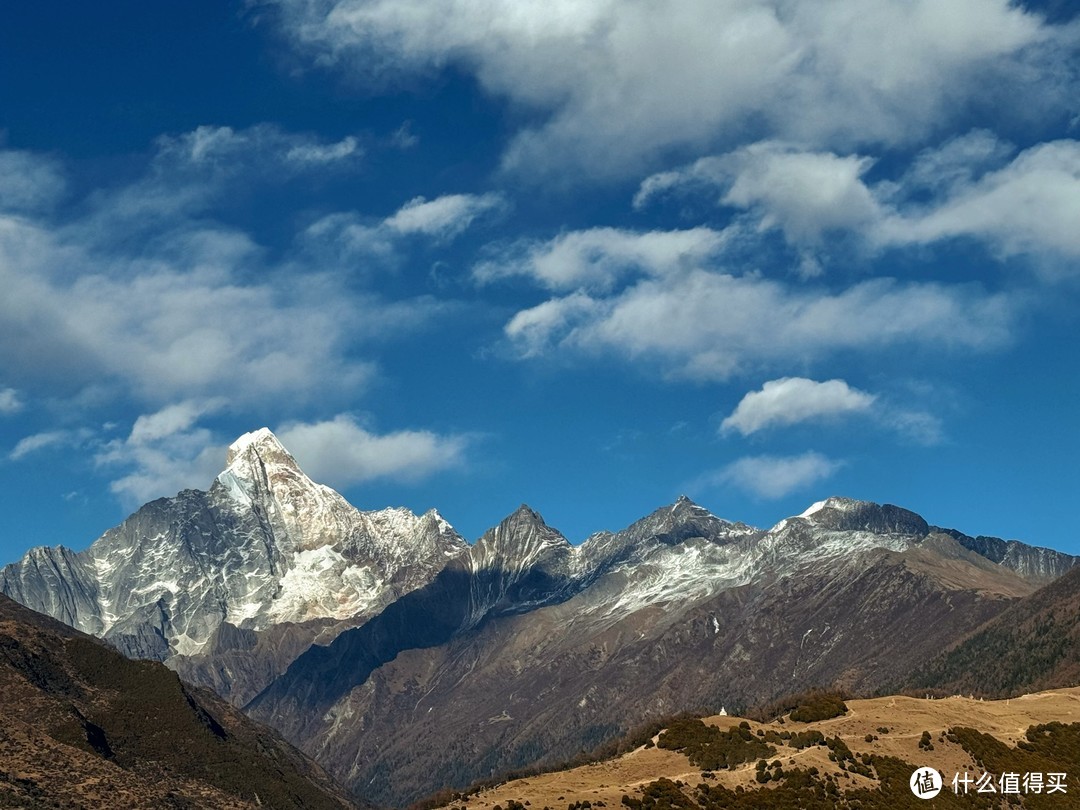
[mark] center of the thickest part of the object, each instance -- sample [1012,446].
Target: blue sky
[585,255]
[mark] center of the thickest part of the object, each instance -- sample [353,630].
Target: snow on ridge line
[251,437]
[816,507]
[263,436]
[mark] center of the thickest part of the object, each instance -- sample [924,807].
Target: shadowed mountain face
[1033,645]
[81,726]
[404,660]
[679,611]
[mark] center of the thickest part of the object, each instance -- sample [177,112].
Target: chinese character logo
[926,783]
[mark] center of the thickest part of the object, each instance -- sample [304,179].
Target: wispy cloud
[772,477]
[29,445]
[350,239]
[711,325]
[165,452]
[967,187]
[10,401]
[443,217]
[146,291]
[598,258]
[29,183]
[263,146]
[317,153]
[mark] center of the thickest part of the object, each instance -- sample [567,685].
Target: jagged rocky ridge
[682,610]
[248,573]
[416,661]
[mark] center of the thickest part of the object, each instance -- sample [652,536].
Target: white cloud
[445,216]
[965,188]
[341,452]
[614,84]
[144,292]
[175,325]
[40,441]
[324,153]
[348,238]
[233,150]
[790,400]
[169,450]
[773,477]
[1031,205]
[599,257]
[170,420]
[165,452]
[710,325]
[10,401]
[804,194]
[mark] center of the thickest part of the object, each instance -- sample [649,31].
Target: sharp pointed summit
[264,547]
[520,539]
[261,442]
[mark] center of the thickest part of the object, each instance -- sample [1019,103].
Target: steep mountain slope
[230,584]
[81,726]
[1033,645]
[680,610]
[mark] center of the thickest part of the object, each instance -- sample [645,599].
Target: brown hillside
[604,784]
[83,727]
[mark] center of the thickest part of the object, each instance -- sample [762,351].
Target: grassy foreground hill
[861,759]
[81,726]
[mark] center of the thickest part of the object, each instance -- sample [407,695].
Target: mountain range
[404,659]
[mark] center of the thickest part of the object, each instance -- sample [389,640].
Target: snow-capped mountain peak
[848,514]
[263,546]
[261,442]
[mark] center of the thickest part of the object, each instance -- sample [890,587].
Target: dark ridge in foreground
[83,726]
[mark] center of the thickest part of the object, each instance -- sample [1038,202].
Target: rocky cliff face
[255,569]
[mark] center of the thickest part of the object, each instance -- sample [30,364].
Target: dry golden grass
[906,718]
